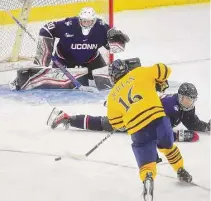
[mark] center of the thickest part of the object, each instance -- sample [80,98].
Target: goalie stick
[59,65]
[77,84]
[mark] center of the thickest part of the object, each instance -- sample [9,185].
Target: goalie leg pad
[47,78]
[44,51]
[102,79]
[96,63]
[24,75]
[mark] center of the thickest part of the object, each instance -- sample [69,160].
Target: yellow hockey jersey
[133,101]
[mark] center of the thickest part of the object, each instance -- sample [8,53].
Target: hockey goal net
[17,49]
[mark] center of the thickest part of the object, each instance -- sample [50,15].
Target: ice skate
[58,117]
[183,175]
[148,187]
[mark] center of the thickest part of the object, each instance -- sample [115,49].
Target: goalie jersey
[133,102]
[72,43]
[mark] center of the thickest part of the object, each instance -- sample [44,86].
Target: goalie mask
[187,95]
[117,69]
[87,19]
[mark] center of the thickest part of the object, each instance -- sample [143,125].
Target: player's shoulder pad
[171,95]
[101,22]
[69,21]
[162,96]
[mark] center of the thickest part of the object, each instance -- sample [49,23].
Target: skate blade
[148,197]
[184,183]
[52,116]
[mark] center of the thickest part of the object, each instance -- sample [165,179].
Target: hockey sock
[150,167]
[174,157]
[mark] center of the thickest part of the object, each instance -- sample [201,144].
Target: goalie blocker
[102,79]
[103,82]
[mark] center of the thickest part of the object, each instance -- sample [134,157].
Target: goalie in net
[80,38]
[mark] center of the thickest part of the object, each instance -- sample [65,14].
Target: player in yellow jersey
[134,104]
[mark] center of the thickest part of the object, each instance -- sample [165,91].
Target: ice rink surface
[178,36]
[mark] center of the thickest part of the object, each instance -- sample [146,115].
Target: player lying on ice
[179,107]
[80,38]
[133,103]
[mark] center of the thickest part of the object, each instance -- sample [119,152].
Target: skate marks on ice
[28,152]
[78,157]
[62,96]
[69,155]
[184,184]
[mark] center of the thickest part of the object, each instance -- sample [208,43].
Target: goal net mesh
[39,13]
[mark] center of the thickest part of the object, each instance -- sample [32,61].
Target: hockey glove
[116,40]
[186,136]
[133,63]
[161,87]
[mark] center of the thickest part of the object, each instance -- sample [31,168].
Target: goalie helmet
[187,94]
[117,69]
[87,19]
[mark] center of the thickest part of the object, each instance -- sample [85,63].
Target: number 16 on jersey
[126,103]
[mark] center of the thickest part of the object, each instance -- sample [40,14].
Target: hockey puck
[58,158]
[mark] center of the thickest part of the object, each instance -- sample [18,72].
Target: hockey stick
[57,63]
[77,84]
[84,156]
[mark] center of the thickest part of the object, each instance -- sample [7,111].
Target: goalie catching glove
[117,40]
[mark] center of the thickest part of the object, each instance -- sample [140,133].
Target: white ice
[169,35]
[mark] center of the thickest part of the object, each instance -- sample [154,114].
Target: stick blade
[75,156]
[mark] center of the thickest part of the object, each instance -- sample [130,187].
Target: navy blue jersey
[188,118]
[73,44]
